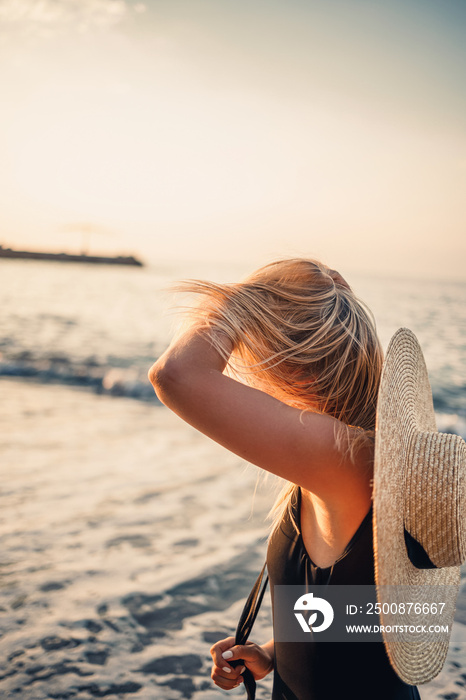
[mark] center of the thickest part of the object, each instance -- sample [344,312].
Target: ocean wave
[451,423]
[113,381]
[131,382]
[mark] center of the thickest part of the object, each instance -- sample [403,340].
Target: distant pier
[66,257]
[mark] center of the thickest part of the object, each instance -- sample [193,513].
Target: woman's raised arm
[298,446]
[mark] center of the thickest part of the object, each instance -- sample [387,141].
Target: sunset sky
[247,129]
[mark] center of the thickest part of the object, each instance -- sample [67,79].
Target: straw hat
[419,521]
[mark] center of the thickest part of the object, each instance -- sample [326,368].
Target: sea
[102,327]
[130,541]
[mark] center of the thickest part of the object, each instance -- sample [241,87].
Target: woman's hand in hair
[299,447]
[258,659]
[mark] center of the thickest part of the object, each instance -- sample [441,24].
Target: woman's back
[328,522]
[314,670]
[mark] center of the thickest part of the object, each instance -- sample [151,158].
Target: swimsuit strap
[245,624]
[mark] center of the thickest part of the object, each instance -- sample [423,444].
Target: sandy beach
[129,545]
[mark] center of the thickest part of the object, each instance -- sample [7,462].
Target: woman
[309,361]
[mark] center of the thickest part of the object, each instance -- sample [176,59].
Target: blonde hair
[300,334]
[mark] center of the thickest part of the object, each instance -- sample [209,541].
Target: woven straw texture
[413,487]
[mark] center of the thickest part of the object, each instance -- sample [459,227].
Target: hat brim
[404,408]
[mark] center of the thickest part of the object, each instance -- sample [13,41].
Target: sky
[238,130]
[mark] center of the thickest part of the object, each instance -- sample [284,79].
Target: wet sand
[129,544]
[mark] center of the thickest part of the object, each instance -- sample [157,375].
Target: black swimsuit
[329,671]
